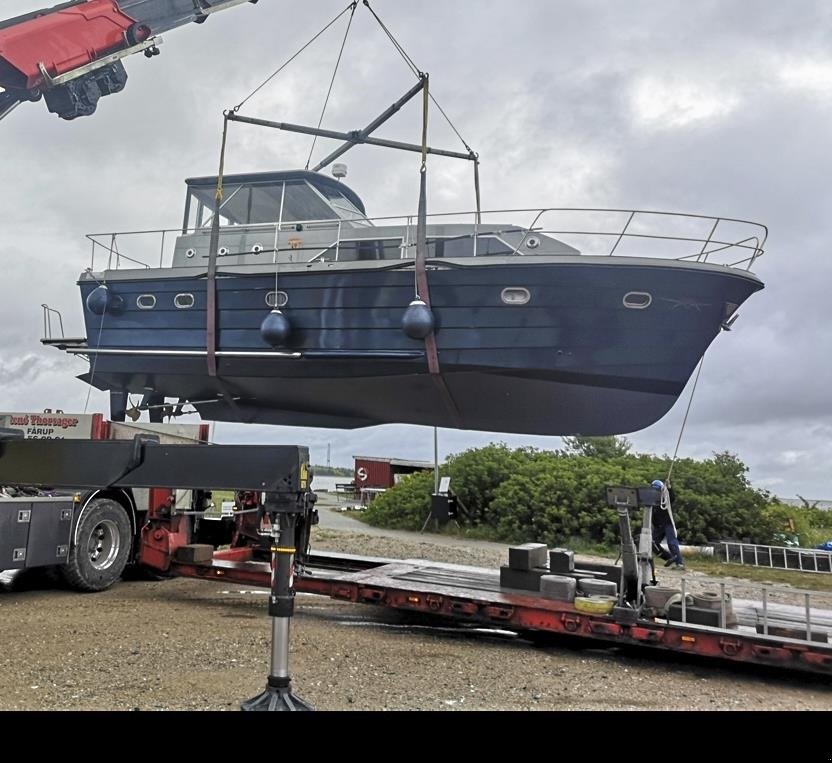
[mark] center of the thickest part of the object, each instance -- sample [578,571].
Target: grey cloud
[544,91]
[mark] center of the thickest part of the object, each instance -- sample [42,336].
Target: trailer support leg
[278,694]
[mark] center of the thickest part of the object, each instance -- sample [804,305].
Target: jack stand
[278,694]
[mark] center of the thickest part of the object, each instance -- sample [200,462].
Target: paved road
[331,518]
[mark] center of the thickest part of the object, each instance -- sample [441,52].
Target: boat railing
[52,321]
[607,232]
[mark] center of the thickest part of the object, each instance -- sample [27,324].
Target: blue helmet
[658,484]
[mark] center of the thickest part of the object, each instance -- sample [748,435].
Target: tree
[597,447]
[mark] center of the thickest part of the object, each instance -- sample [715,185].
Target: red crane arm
[63,39]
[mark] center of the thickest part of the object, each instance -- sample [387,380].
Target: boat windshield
[256,203]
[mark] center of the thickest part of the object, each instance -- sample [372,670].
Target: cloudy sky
[720,108]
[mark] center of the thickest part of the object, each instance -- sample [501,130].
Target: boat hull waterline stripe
[395,354]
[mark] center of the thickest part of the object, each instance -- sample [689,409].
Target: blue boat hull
[573,360]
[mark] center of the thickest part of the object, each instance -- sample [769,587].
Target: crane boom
[72,53]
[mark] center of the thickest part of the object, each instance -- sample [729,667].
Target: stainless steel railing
[591,231]
[50,315]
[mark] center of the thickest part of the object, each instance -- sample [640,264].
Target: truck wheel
[103,547]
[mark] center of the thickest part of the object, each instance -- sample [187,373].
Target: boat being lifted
[283,302]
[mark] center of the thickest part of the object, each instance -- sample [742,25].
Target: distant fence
[346,492]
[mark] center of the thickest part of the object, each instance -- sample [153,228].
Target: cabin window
[205,205]
[463,246]
[302,203]
[277,299]
[261,203]
[515,295]
[341,204]
[378,249]
[145,302]
[638,300]
[183,301]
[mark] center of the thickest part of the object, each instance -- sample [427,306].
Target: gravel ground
[187,644]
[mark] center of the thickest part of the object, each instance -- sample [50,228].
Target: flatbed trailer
[268,542]
[472,595]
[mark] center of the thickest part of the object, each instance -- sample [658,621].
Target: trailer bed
[472,595]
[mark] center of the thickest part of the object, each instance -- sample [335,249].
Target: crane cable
[350,7]
[332,82]
[415,69]
[685,419]
[396,44]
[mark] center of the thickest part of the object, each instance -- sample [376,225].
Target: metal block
[625,615]
[694,615]
[558,587]
[528,556]
[196,553]
[561,560]
[602,571]
[524,580]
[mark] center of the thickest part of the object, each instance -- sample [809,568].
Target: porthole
[183,301]
[190,253]
[638,300]
[532,242]
[145,302]
[257,248]
[277,299]
[515,295]
[222,251]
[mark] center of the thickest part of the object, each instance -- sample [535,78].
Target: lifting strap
[211,275]
[422,288]
[421,232]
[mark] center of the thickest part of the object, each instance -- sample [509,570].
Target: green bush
[552,497]
[476,474]
[405,506]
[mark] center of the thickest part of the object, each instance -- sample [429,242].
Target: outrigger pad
[278,697]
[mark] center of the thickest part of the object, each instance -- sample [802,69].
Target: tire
[99,557]
[594,605]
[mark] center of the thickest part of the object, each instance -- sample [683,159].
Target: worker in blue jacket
[664,528]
